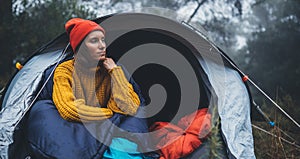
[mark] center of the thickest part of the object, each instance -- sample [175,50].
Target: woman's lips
[101,53]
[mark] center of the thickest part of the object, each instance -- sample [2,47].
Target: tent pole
[246,78]
[263,114]
[284,112]
[44,84]
[272,124]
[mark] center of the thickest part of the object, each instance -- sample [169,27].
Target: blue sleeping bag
[50,136]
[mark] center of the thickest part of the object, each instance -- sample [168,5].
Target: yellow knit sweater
[90,94]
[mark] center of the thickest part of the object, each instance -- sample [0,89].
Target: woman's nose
[102,45]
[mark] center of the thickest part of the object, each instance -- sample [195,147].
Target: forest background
[261,36]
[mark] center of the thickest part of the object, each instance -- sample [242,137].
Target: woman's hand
[109,63]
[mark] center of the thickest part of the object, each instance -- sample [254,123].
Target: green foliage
[5,40]
[215,140]
[34,26]
[286,142]
[44,21]
[274,49]
[269,147]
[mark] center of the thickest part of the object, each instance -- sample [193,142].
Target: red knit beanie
[78,29]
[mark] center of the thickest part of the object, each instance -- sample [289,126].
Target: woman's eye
[94,40]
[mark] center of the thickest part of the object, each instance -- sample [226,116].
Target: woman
[82,87]
[87,90]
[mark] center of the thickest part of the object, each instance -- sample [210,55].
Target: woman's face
[95,46]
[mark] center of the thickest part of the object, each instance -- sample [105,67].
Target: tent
[178,63]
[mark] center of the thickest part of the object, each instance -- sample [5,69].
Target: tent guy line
[284,112]
[281,138]
[246,78]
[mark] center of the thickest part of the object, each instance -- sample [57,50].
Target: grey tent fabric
[233,108]
[232,98]
[20,94]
